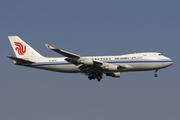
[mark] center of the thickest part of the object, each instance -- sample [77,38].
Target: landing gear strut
[97,76]
[155,75]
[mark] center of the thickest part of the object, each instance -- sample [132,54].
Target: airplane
[92,66]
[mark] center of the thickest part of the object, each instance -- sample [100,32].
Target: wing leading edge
[62,52]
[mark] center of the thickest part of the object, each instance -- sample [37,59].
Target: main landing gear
[155,75]
[94,76]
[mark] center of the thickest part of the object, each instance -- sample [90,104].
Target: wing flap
[97,63]
[87,69]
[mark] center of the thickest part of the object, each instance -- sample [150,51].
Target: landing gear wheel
[155,75]
[93,77]
[90,78]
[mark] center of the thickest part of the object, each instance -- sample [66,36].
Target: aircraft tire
[90,78]
[155,75]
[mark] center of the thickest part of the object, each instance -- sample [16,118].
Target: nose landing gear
[155,75]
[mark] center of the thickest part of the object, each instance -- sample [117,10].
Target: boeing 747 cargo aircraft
[93,66]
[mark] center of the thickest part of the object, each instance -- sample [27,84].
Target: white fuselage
[133,62]
[93,66]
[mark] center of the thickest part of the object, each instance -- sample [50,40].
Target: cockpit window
[160,54]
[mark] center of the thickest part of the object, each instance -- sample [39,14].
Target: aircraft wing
[62,52]
[87,64]
[88,69]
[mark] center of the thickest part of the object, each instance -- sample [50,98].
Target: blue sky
[90,28]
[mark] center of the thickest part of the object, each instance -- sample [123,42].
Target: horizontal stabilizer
[19,60]
[62,52]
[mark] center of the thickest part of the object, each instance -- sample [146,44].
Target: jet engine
[111,67]
[87,62]
[115,74]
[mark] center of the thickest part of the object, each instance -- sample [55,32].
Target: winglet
[49,47]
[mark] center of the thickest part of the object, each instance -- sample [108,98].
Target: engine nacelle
[87,62]
[111,67]
[115,74]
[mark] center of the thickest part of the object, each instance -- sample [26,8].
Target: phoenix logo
[20,48]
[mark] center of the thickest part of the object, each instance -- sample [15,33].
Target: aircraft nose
[170,62]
